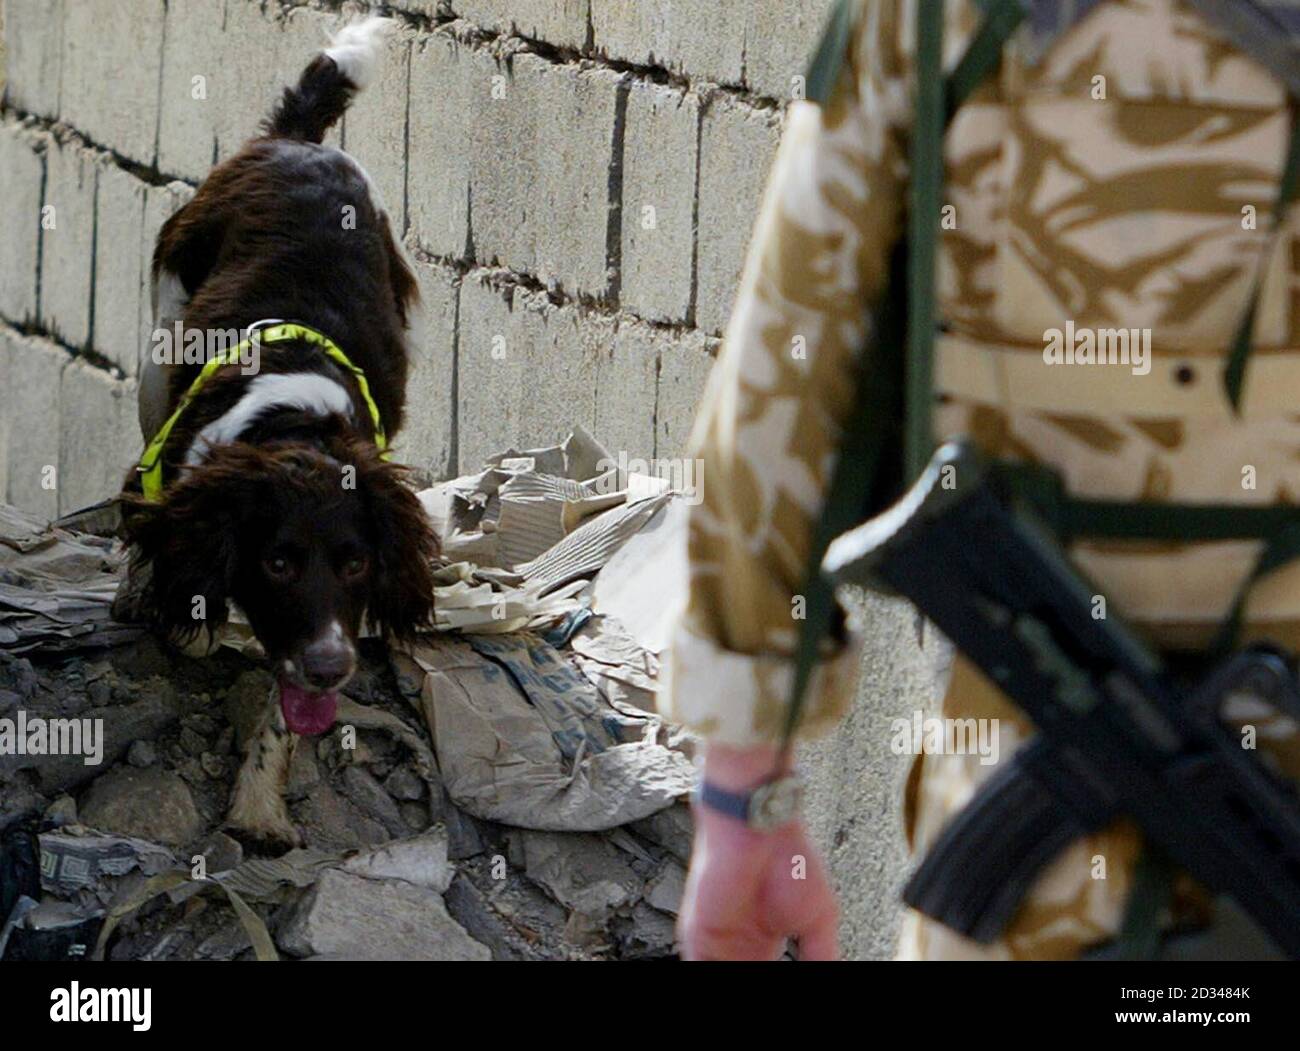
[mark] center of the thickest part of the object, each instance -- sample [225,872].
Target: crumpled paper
[554,727]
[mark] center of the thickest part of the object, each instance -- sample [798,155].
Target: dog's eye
[355,567]
[277,567]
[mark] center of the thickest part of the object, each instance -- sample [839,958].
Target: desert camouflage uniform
[1124,211]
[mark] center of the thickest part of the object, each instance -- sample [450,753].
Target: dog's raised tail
[316,103]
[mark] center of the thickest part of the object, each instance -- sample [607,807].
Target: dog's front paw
[265,842]
[258,816]
[130,604]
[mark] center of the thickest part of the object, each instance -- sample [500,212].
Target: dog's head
[308,542]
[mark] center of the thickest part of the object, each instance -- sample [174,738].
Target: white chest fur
[307,391]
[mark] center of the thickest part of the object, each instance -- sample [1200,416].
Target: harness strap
[150,465]
[828,60]
[1234,373]
[925,198]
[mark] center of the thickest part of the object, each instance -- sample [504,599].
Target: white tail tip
[355,48]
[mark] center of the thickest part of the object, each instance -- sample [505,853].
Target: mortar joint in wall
[31,330]
[64,134]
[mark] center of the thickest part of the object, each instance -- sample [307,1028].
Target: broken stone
[404,783]
[246,703]
[369,796]
[192,770]
[421,860]
[142,754]
[227,943]
[153,805]
[100,693]
[63,773]
[213,765]
[580,870]
[20,676]
[200,723]
[349,917]
[222,852]
[671,829]
[194,743]
[469,907]
[63,811]
[664,890]
[588,930]
[415,815]
[331,822]
[649,934]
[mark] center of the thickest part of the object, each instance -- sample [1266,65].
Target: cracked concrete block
[119,277]
[514,162]
[856,820]
[35,368]
[160,204]
[67,242]
[111,67]
[375,129]
[661,147]
[780,36]
[527,369]
[190,96]
[98,435]
[8,398]
[626,377]
[438,160]
[684,368]
[560,23]
[33,33]
[427,442]
[244,85]
[699,39]
[22,170]
[737,144]
[572,124]
[261,53]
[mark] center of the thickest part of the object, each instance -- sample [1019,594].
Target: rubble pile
[501,789]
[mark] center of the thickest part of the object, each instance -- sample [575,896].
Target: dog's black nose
[328,661]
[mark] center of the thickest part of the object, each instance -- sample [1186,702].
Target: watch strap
[733,804]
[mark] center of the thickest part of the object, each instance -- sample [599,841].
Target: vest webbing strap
[925,198]
[1234,373]
[1073,518]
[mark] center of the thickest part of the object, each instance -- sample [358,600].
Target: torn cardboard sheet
[553,727]
[56,587]
[523,743]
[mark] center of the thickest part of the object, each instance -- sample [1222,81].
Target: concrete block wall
[574,180]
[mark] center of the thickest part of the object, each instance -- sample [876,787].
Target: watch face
[775,803]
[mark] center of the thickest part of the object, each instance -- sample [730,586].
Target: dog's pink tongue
[306,712]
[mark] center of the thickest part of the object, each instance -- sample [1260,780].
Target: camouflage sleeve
[768,429]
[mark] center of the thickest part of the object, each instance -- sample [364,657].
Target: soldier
[1118,181]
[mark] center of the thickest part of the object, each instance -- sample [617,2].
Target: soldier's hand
[748,891]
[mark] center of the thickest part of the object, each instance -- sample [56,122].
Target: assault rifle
[1118,732]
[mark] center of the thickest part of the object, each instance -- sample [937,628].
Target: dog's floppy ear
[401,586]
[184,551]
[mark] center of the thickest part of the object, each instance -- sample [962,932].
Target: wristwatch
[770,805]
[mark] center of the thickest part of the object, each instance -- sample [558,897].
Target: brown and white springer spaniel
[274,494]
